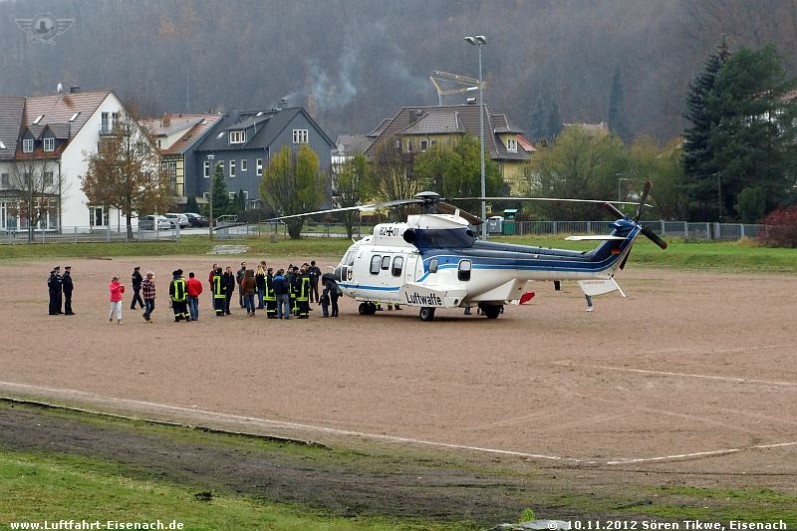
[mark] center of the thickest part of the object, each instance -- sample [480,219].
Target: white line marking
[138,405]
[680,374]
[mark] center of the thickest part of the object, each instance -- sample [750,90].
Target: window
[376,264]
[206,169]
[98,217]
[246,195]
[433,263]
[5,180]
[259,166]
[237,137]
[206,196]
[300,136]
[385,263]
[424,145]
[398,265]
[74,117]
[463,272]
[231,195]
[243,165]
[38,119]
[232,169]
[49,144]
[48,178]
[511,145]
[108,122]
[409,146]
[27,145]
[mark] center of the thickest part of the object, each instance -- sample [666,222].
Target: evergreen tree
[753,143]
[191,205]
[538,129]
[555,124]
[221,198]
[698,157]
[617,121]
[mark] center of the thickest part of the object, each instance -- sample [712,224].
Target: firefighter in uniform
[270,297]
[219,292]
[178,294]
[303,294]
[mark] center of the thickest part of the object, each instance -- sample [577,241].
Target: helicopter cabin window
[463,272]
[398,265]
[385,263]
[376,264]
[433,265]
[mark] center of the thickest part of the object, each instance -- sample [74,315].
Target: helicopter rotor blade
[614,210]
[549,199]
[447,208]
[652,236]
[371,206]
[642,200]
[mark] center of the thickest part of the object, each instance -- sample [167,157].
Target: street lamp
[619,185]
[481,40]
[211,156]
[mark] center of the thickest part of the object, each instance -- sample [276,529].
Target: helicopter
[434,260]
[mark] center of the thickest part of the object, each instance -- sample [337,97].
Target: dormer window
[511,145]
[237,137]
[49,143]
[27,145]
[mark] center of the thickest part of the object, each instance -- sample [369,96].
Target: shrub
[780,228]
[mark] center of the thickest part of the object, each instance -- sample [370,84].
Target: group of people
[282,294]
[60,288]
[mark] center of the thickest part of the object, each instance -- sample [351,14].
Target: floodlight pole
[481,40]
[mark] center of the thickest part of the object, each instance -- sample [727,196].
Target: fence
[677,229]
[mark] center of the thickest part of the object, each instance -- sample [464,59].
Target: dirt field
[693,373]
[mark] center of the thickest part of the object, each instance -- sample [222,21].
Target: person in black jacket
[54,288]
[68,286]
[228,280]
[135,280]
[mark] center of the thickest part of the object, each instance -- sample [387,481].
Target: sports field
[692,373]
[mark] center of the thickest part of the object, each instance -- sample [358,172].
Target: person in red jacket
[117,289]
[194,289]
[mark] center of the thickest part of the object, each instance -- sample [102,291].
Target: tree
[753,142]
[38,186]
[455,171]
[221,197]
[125,173]
[647,160]
[617,122]
[393,178]
[698,156]
[555,124]
[293,185]
[353,185]
[191,205]
[580,165]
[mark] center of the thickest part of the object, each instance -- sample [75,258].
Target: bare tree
[39,189]
[125,173]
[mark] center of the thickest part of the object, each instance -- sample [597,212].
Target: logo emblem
[44,28]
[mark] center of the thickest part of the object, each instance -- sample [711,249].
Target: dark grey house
[244,142]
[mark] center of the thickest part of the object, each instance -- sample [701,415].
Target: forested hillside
[353,62]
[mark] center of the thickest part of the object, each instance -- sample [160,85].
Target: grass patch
[38,488]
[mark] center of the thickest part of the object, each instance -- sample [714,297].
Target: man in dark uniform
[228,280]
[54,288]
[178,293]
[68,286]
[135,280]
[315,274]
[302,282]
[270,297]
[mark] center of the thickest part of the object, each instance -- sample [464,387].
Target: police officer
[179,296]
[54,288]
[68,287]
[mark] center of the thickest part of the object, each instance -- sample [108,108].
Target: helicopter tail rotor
[649,234]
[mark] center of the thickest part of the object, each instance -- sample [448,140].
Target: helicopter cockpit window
[463,272]
[398,265]
[385,263]
[433,265]
[376,264]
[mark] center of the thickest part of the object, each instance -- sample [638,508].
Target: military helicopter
[434,260]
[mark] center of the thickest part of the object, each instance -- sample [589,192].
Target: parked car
[178,219]
[148,223]
[196,220]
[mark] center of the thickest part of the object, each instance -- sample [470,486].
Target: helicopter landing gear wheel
[427,314]
[492,311]
[367,308]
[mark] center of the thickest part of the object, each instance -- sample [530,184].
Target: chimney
[167,120]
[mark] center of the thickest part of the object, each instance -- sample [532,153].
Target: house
[242,144]
[177,135]
[414,129]
[54,134]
